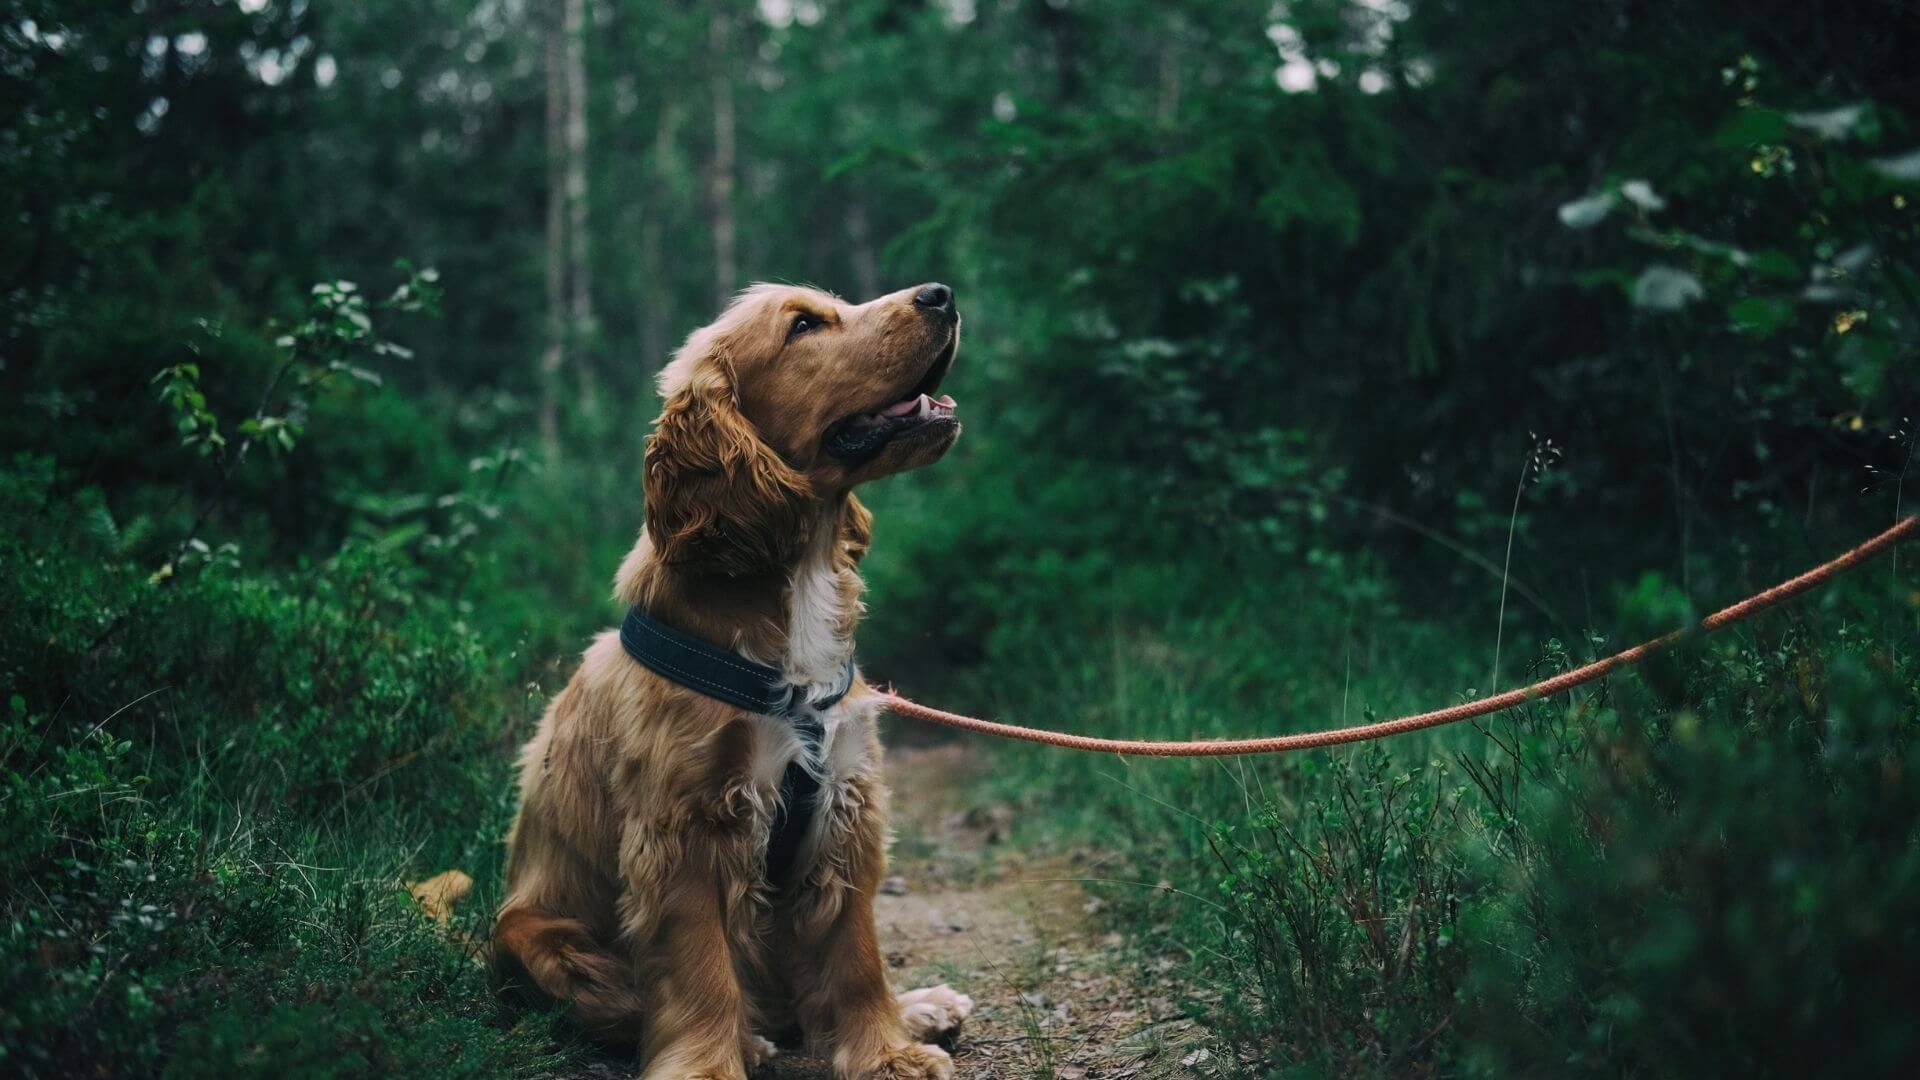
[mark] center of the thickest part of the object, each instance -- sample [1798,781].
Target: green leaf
[1666,288]
[1588,212]
[1754,125]
[1899,167]
[1830,123]
[1760,315]
[1641,194]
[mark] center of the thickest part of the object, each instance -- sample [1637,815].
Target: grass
[210,817]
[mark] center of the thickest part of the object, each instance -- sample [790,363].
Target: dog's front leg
[694,1014]
[690,865]
[840,976]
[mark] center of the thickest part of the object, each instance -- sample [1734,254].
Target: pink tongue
[944,401]
[904,407]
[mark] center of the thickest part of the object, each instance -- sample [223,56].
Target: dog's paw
[933,1014]
[915,1061]
[757,1052]
[711,1064]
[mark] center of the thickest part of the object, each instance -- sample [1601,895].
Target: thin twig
[1506,568]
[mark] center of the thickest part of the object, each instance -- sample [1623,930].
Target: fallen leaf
[438,895]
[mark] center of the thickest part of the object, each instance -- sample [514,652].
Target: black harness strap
[729,677]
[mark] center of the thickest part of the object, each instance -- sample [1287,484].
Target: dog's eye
[802,323]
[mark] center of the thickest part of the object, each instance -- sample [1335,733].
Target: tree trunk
[553,357]
[866,265]
[720,176]
[656,306]
[580,331]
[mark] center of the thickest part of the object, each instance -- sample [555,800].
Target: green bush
[215,788]
[1717,881]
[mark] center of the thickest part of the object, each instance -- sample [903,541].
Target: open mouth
[921,409]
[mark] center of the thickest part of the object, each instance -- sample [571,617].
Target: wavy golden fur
[635,876]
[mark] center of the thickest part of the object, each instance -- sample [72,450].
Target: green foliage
[1265,304]
[211,814]
[180,390]
[1717,883]
[1342,907]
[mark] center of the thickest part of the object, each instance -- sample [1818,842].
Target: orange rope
[1560,683]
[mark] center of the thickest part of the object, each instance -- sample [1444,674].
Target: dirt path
[1054,995]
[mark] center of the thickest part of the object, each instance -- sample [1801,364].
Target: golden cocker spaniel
[692,870]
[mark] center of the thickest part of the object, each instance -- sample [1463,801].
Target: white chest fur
[818,648]
[818,645]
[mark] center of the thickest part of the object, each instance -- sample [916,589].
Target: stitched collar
[718,673]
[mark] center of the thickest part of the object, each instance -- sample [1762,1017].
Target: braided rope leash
[1905,529]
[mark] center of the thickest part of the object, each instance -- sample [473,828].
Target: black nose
[936,297]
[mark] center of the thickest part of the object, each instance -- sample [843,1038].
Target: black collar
[718,673]
[732,678]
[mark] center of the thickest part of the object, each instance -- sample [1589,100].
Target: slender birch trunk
[553,357]
[720,176]
[656,311]
[580,330]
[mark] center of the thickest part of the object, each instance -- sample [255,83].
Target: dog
[656,877]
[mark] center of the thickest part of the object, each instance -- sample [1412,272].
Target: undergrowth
[1700,867]
[214,792]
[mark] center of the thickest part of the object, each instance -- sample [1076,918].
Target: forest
[1323,361]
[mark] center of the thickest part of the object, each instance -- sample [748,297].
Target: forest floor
[1055,994]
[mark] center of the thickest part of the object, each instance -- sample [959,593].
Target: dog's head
[791,397]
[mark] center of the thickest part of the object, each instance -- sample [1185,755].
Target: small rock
[894,886]
[1195,1058]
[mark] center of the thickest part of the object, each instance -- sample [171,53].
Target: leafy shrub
[1716,879]
[215,788]
[1343,904]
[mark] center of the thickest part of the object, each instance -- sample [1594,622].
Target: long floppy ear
[719,500]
